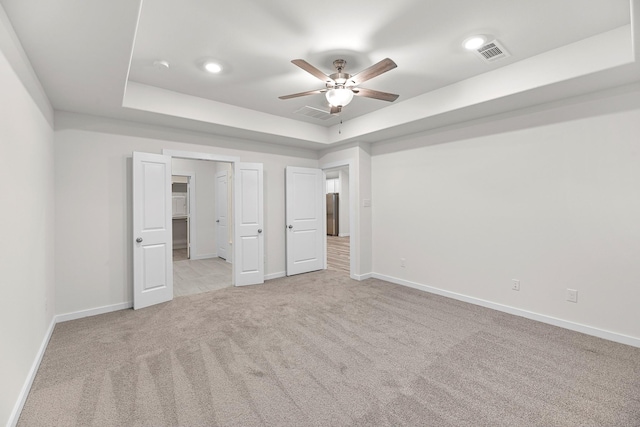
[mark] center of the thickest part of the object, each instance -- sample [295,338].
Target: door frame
[193,155]
[193,219]
[353,231]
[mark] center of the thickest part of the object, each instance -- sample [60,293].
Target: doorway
[339,208]
[152,224]
[182,199]
[200,259]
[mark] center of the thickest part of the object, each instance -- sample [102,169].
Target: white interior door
[152,221]
[222,220]
[187,210]
[306,220]
[248,236]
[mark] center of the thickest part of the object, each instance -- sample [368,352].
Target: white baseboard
[344,234]
[578,327]
[275,275]
[203,256]
[92,312]
[362,276]
[22,398]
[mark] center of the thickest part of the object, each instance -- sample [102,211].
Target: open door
[248,236]
[306,220]
[152,240]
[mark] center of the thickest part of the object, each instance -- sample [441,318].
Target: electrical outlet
[403,262]
[572,295]
[515,284]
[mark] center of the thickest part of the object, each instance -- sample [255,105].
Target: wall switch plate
[572,295]
[515,284]
[403,262]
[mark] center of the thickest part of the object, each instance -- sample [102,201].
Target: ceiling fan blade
[335,110]
[373,71]
[295,95]
[370,93]
[312,70]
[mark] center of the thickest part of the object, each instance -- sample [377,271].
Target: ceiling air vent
[315,113]
[492,51]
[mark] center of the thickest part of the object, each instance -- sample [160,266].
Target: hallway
[338,254]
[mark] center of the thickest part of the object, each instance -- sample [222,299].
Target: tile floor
[196,276]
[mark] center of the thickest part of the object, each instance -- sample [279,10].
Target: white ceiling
[88,54]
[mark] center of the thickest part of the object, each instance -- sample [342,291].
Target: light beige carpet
[322,350]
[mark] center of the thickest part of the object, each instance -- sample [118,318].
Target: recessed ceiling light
[161,64]
[213,67]
[474,42]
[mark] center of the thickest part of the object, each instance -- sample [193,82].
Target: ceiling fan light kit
[339,97]
[340,87]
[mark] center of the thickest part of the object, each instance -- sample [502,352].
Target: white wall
[551,198]
[364,203]
[205,177]
[27,218]
[343,175]
[93,198]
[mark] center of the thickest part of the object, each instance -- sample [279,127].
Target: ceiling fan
[340,87]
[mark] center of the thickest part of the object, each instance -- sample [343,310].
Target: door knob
[259,230]
[217,220]
[139,240]
[291,226]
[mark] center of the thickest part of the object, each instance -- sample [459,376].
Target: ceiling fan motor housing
[340,79]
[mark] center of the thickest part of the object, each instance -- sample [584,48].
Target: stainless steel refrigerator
[332,214]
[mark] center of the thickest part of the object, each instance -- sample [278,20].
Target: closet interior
[180,207]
